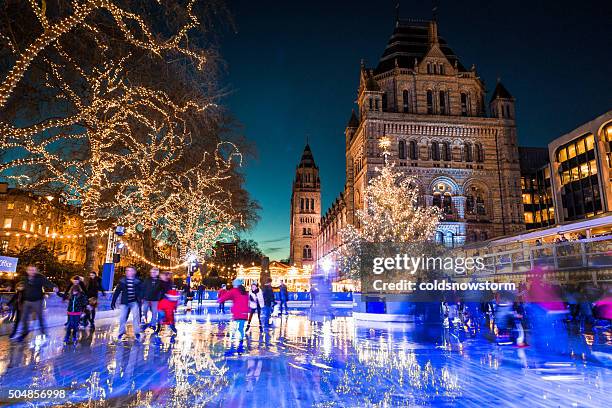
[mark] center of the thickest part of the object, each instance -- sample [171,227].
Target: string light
[129,139]
[391,214]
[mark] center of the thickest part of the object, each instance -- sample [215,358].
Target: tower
[305,211]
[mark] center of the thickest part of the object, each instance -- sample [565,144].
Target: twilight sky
[293,71]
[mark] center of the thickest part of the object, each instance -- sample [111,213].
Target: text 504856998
[31,394]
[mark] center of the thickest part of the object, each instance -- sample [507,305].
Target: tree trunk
[91,253]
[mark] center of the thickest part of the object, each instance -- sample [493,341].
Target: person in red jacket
[166,308]
[240,304]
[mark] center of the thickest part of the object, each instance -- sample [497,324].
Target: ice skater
[77,304]
[240,310]
[93,286]
[33,296]
[220,293]
[256,302]
[150,298]
[166,309]
[283,296]
[130,290]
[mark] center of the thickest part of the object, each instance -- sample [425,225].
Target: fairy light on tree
[119,117]
[392,214]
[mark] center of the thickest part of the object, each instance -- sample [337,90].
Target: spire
[397,12]
[307,159]
[433,33]
[434,11]
[353,121]
[501,92]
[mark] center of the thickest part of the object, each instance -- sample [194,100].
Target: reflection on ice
[308,360]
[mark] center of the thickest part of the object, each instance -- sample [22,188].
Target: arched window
[467,152]
[307,204]
[401,148]
[429,67]
[473,236]
[437,200]
[480,205]
[446,151]
[370,101]
[435,151]
[302,204]
[439,237]
[484,236]
[464,104]
[412,150]
[447,204]
[312,207]
[307,252]
[479,153]
[430,102]
[469,204]
[384,102]
[405,101]
[442,69]
[376,104]
[443,103]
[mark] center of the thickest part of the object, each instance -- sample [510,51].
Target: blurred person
[200,294]
[240,308]
[256,302]
[33,296]
[220,293]
[269,302]
[166,309]
[150,297]
[129,293]
[93,285]
[283,296]
[16,305]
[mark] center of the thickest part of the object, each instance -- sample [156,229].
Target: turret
[502,103]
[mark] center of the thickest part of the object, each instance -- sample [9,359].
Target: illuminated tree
[392,214]
[104,100]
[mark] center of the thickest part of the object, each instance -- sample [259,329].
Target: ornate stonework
[432,109]
[305,211]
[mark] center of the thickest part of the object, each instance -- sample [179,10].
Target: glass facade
[537,199]
[580,190]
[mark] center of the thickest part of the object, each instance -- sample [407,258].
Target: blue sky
[292,68]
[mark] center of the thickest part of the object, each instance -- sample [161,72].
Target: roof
[307,158]
[353,121]
[501,92]
[410,41]
[372,85]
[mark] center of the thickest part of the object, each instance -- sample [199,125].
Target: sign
[8,264]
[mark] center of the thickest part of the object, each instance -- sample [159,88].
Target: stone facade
[432,109]
[28,219]
[305,212]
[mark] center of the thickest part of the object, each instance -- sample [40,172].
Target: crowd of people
[152,303]
[539,310]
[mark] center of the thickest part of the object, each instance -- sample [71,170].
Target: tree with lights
[110,102]
[392,216]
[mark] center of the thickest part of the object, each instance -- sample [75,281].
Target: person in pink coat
[240,304]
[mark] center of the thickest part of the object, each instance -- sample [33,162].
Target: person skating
[130,290]
[93,285]
[166,309]
[16,305]
[150,298]
[77,303]
[200,294]
[220,293]
[240,306]
[33,296]
[283,296]
[269,302]
[256,302]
